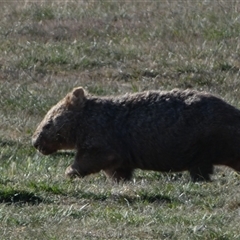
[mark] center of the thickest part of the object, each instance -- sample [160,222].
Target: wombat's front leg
[72,172]
[81,168]
[201,173]
[119,174]
[91,162]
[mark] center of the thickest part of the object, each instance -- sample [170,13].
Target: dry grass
[49,47]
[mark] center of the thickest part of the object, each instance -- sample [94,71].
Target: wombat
[154,130]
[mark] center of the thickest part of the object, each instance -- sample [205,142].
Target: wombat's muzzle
[35,143]
[41,145]
[39,142]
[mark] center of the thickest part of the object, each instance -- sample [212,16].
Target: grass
[49,47]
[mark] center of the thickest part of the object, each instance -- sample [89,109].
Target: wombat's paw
[71,172]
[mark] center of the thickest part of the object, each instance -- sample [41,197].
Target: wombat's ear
[76,97]
[78,92]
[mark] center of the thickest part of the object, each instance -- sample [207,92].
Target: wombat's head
[57,129]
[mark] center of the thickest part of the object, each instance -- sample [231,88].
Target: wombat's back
[173,131]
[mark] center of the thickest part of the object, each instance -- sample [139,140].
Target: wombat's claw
[71,172]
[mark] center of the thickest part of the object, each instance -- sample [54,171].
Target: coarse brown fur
[161,131]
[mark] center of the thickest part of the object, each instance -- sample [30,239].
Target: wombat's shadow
[147,198]
[24,197]
[19,197]
[141,197]
[15,196]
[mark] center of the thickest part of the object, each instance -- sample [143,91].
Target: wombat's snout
[40,143]
[35,142]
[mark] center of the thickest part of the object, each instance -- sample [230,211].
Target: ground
[111,48]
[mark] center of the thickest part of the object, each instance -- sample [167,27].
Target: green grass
[46,49]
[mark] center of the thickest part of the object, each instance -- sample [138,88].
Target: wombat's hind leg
[120,174]
[234,164]
[201,173]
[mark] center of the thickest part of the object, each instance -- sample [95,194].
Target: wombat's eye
[47,126]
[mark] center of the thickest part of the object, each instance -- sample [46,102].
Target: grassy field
[108,47]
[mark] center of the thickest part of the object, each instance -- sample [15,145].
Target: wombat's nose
[35,143]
